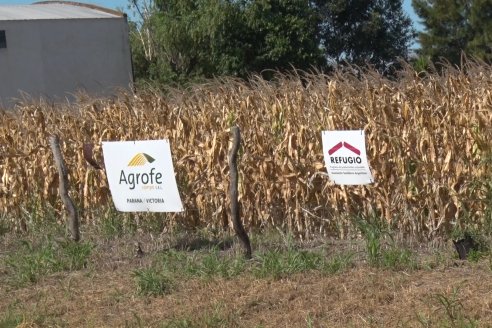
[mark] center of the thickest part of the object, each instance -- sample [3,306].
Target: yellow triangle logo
[140,159]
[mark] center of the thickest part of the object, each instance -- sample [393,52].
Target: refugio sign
[345,157]
[141,176]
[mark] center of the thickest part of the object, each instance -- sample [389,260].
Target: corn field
[428,138]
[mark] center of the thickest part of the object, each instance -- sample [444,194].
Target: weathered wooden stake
[73,217]
[233,193]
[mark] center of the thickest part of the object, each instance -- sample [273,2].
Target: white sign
[141,176]
[346,158]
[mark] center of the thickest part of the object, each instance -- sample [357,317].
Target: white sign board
[346,158]
[141,176]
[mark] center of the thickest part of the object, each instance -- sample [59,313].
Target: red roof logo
[343,144]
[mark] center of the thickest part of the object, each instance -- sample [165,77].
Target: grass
[152,282]
[37,258]
[213,264]
[452,307]
[179,323]
[217,317]
[17,315]
[374,231]
[269,262]
[203,265]
[397,259]
[282,268]
[73,255]
[278,256]
[4,227]
[278,264]
[475,256]
[338,263]
[10,319]
[381,248]
[448,311]
[32,261]
[171,266]
[114,224]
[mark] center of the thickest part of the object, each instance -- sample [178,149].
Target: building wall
[56,58]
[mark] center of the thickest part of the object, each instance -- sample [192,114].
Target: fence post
[233,193]
[73,217]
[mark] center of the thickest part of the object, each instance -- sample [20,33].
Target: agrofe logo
[344,159]
[141,159]
[148,179]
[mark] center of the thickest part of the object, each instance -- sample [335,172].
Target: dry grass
[428,142]
[455,294]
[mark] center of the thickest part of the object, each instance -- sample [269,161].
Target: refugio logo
[344,159]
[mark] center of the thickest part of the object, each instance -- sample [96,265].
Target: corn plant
[427,138]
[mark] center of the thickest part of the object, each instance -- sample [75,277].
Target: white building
[53,49]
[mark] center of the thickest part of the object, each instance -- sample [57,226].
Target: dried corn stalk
[427,142]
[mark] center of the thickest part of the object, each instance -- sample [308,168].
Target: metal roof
[48,10]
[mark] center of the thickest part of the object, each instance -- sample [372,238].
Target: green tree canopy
[375,32]
[194,39]
[455,26]
[183,40]
[190,40]
[283,34]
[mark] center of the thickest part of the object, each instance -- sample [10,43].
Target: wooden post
[73,217]
[233,193]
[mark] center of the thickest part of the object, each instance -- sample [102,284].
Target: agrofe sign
[141,176]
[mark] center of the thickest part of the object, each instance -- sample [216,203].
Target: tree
[195,39]
[455,26]
[446,31]
[284,34]
[361,32]
[188,40]
[480,20]
[185,40]
[141,58]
